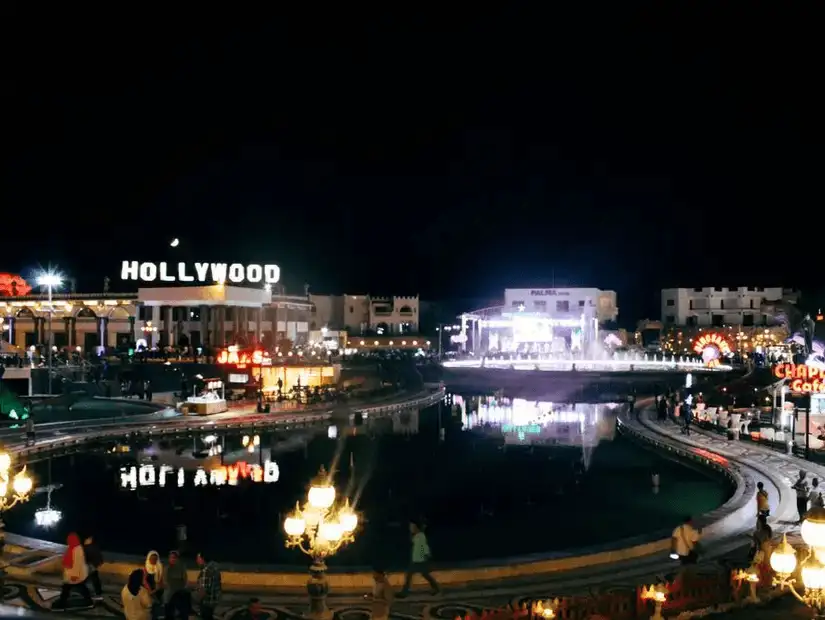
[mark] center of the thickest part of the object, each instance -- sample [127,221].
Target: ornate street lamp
[784,563]
[14,488]
[320,528]
[51,281]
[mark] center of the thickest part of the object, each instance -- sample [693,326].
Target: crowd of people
[163,589]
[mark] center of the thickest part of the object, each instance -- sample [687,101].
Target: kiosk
[211,400]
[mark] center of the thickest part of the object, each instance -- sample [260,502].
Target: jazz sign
[205,273]
[150,475]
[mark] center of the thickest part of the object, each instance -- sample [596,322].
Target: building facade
[568,303]
[217,315]
[722,306]
[365,314]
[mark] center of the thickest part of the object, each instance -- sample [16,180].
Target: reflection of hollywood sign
[150,475]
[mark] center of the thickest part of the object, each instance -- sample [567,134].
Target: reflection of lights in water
[47,517]
[210,439]
[332,432]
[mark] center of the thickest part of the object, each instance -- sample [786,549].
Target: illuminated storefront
[258,368]
[801,378]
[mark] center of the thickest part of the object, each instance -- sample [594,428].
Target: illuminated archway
[712,348]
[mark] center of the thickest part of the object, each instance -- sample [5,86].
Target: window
[760,289]
[692,321]
[697,290]
[563,306]
[690,304]
[145,313]
[718,289]
[670,319]
[541,306]
[721,304]
[747,320]
[581,303]
[351,309]
[518,304]
[751,288]
[732,289]
[751,303]
[672,302]
[717,320]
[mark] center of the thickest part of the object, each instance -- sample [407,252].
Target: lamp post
[14,488]
[319,528]
[50,281]
[784,563]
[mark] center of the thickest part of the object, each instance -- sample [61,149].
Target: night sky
[450,154]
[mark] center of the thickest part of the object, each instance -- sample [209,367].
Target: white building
[717,306]
[568,303]
[362,314]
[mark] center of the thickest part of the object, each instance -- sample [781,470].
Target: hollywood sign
[150,475]
[214,273]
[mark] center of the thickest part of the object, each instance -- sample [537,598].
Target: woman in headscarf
[154,576]
[75,573]
[137,602]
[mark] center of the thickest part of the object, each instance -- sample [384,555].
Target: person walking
[684,541]
[176,598]
[801,488]
[137,602]
[209,587]
[382,596]
[763,507]
[75,572]
[30,436]
[419,561]
[94,558]
[815,496]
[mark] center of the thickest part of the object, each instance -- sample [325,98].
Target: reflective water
[491,476]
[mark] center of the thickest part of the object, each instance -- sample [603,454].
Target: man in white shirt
[684,540]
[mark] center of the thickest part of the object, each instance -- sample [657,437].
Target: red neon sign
[717,341]
[243,358]
[804,379]
[239,471]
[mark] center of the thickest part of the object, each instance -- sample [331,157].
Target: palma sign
[150,475]
[205,273]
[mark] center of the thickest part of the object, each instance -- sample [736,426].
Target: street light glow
[49,279]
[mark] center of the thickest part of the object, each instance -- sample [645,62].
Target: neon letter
[254,273]
[128,477]
[129,270]
[236,273]
[182,275]
[219,272]
[164,275]
[148,272]
[201,269]
[146,476]
[272,273]
[271,471]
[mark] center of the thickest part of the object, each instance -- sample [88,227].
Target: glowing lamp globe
[348,519]
[294,526]
[330,531]
[5,461]
[813,528]
[321,494]
[783,558]
[22,484]
[813,576]
[49,279]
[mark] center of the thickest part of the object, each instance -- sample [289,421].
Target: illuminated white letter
[254,273]
[219,272]
[201,269]
[146,476]
[164,469]
[200,478]
[164,275]
[236,273]
[272,273]
[180,477]
[182,275]
[129,270]
[271,471]
[148,272]
[217,476]
[128,477]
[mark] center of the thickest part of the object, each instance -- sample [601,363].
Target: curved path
[36,590]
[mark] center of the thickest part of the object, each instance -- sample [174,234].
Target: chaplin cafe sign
[206,273]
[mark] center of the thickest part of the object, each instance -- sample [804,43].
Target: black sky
[450,153]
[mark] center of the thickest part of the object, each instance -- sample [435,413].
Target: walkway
[454,602]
